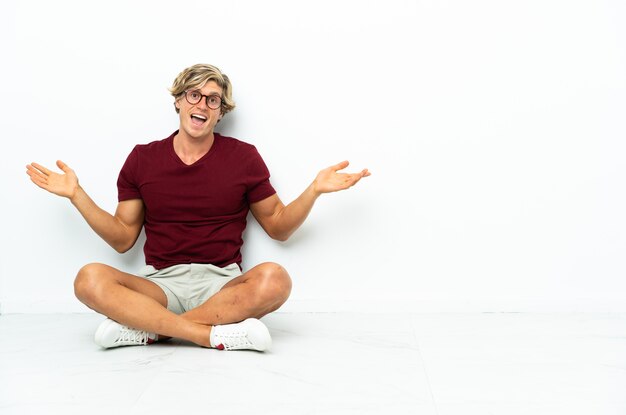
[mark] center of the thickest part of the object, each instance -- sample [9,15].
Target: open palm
[330,180]
[60,184]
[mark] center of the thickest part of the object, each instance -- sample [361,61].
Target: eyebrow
[209,95]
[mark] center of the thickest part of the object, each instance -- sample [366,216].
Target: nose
[202,104]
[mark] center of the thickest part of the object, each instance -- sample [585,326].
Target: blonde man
[191,192]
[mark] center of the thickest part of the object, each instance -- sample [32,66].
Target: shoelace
[235,340]
[128,335]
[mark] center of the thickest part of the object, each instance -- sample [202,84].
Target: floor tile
[320,363]
[334,363]
[524,359]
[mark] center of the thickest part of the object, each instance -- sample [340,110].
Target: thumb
[63,166]
[340,166]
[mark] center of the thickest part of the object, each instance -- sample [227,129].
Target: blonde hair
[196,77]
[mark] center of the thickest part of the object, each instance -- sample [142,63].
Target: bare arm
[120,230]
[280,221]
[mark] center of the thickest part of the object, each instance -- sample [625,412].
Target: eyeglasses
[194,96]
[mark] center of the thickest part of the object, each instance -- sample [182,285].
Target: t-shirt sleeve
[258,181]
[127,187]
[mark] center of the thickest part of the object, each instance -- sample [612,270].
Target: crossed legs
[139,303]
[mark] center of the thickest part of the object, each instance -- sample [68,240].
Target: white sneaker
[112,334]
[250,334]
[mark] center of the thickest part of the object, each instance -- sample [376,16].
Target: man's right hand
[120,230]
[65,184]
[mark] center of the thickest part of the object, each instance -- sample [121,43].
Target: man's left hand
[330,180]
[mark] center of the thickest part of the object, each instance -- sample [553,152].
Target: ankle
[212,339]
[204,337]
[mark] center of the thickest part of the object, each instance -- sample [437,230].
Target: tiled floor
[326,364]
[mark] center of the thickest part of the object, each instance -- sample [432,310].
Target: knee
[88,282]
[274,281]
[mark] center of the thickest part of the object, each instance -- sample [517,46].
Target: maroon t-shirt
[196,213]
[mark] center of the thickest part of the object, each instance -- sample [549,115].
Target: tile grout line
[419,352]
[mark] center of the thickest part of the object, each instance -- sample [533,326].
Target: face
[198,120]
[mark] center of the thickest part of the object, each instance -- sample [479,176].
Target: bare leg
[259,291]
[135,302]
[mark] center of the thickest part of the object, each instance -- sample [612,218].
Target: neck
[191,149]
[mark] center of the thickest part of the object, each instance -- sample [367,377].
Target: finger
[39,182]
[359,176]
[63,166]
[355,179]
[41,168]
[340,166]
[32,171]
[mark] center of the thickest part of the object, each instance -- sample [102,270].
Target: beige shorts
[189,285]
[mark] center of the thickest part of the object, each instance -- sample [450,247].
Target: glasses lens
[213,101]
[193,97]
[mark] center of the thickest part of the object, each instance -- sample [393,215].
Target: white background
[495,132]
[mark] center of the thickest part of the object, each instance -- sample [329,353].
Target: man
[192,192]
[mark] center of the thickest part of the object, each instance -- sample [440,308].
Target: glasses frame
[206,98]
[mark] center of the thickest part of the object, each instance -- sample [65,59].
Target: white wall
[494,130]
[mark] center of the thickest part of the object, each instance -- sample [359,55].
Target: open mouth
[198,119]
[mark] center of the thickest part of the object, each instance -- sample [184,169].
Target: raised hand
[330,180]
[64,184]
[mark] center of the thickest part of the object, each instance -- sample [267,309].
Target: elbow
[123,238]
[122,247]
[280,236]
